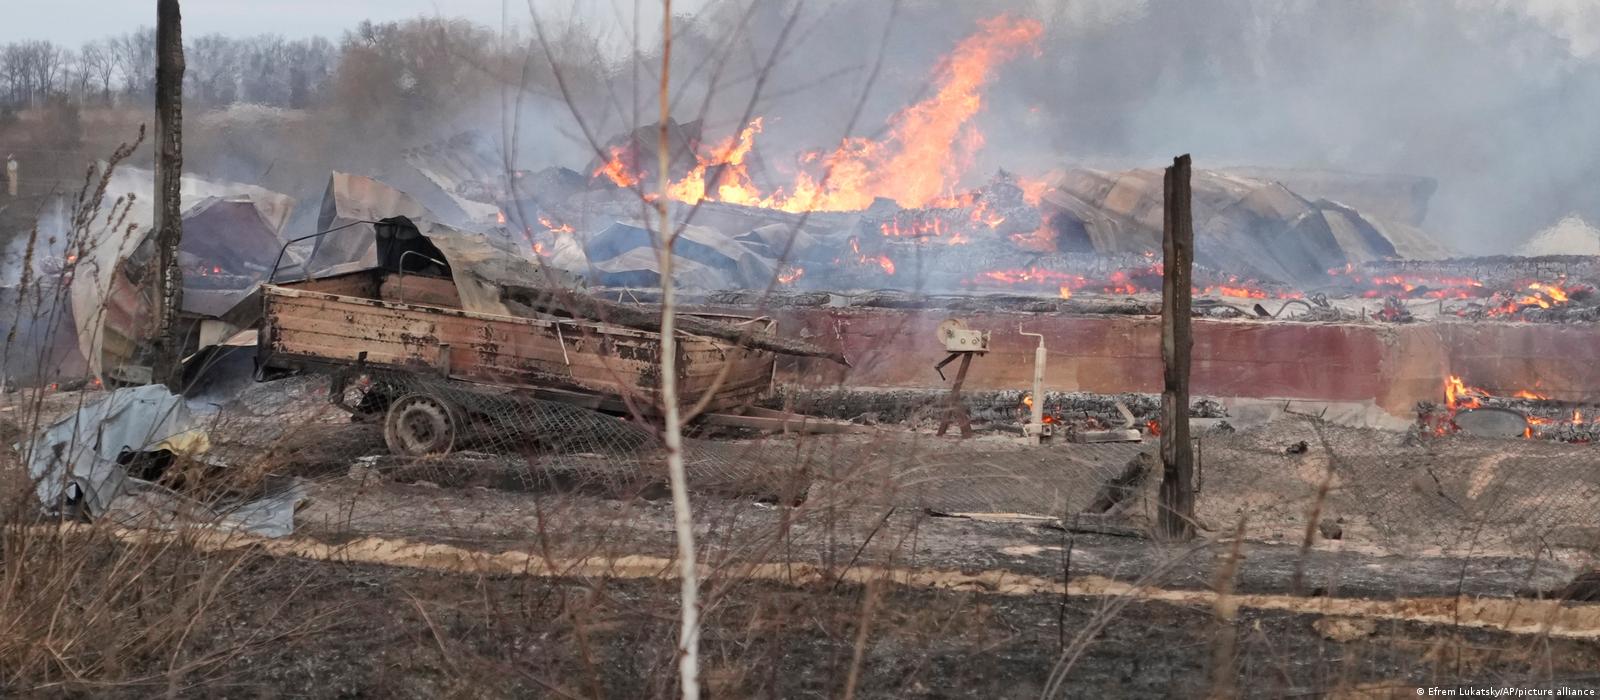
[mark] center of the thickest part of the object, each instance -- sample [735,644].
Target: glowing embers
[1542,295]
[790,274]
[1543,417]
[1411,285]
[881,261]
[1497,299]
[1139,279]
[553,226]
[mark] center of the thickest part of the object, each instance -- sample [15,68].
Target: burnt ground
[969,605]
[359,630]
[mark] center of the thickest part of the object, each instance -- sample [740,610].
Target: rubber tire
[422,424]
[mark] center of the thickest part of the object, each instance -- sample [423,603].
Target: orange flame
[1032,190]
[791,274]
[554,227]
[1241,292]
[733,182]
[928,147]
[1542,295]
[616,169]
[882,261]
[1457,395]
[1035,274]
[918,228]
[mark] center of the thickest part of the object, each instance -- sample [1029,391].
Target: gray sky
[72,22]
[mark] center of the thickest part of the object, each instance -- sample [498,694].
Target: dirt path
[1519,616]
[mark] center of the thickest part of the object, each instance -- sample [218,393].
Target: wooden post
[1175,521]
[954,408]
[168,224]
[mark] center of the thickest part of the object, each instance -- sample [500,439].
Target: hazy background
[1493,98]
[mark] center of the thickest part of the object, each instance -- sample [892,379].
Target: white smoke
[1576,21]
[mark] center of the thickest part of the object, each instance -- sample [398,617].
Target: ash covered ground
[930,566]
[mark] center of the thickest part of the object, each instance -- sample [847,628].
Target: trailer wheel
[422,424]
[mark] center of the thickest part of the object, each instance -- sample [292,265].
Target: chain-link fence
[386,466]
[423,428]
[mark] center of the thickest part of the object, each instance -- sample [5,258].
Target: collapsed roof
[624,255]
[1240,222]
[232,227]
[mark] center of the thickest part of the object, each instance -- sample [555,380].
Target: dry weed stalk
[1223,642]
[84,609]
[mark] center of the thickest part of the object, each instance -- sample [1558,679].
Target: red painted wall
[1394,365]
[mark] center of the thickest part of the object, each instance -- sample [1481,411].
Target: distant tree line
[121,70]
[415,64]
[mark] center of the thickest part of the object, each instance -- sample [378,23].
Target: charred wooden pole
[168,346]
[1176,518]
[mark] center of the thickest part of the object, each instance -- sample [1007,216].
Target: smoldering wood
[1176,513]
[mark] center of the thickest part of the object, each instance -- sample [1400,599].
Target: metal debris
[76,463]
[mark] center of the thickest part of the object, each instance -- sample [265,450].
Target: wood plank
[417,289]
[505,350]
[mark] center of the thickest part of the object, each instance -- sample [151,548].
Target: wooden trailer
[420,310]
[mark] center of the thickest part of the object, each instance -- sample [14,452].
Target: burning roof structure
[900,220]
[901,210]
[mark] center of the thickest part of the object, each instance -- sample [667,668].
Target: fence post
[168,222]
[1175,522]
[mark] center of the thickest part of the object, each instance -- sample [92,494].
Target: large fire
[727,165]
[919,163]
[617,169]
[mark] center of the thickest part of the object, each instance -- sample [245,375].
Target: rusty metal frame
[400,271]
[282,250]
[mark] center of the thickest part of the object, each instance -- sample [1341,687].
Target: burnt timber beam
[1175,521]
